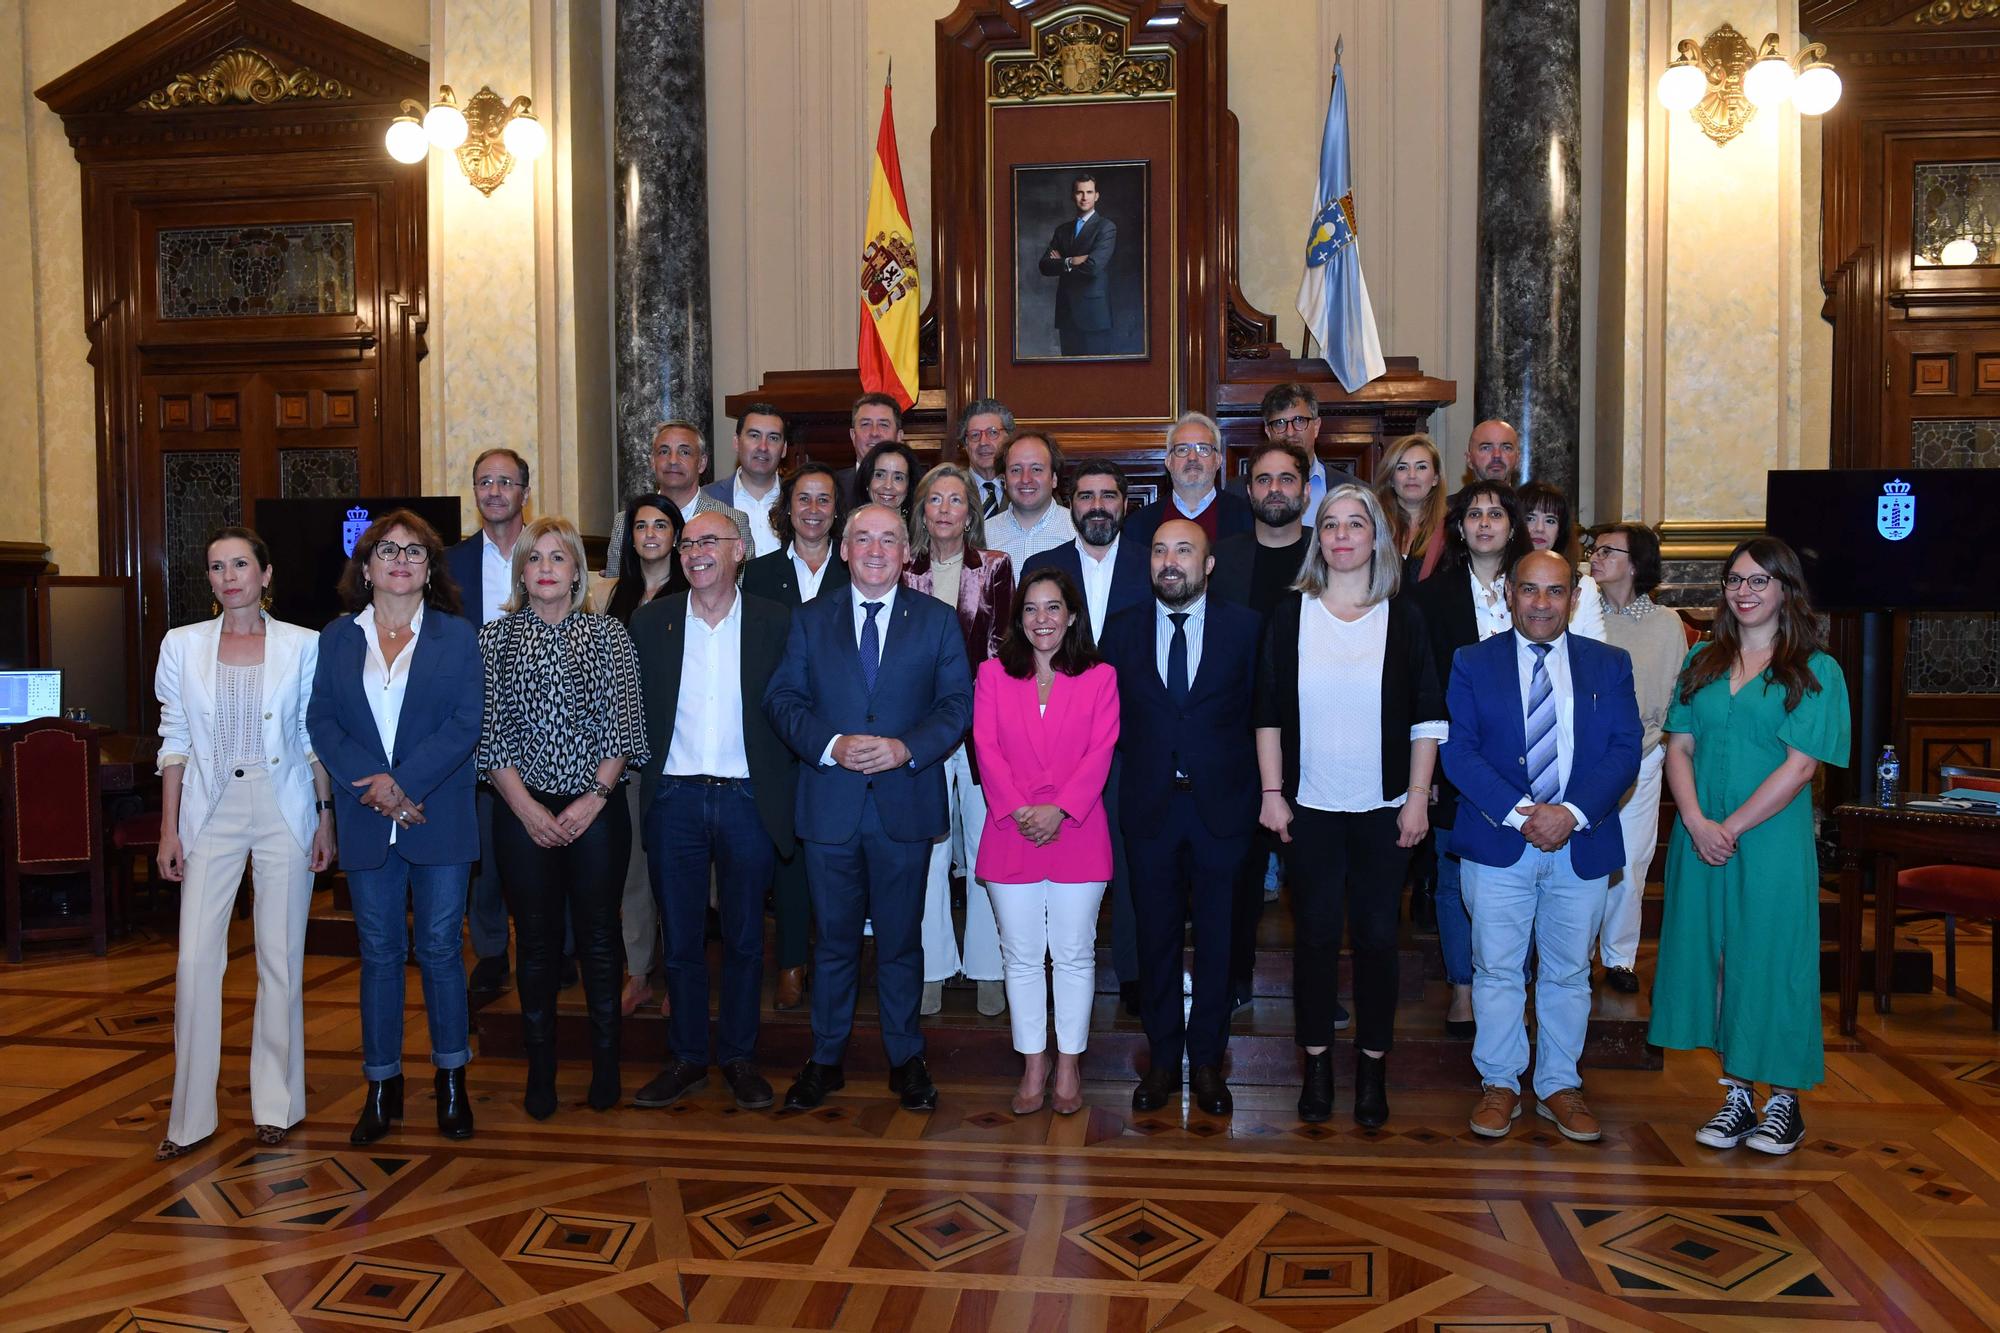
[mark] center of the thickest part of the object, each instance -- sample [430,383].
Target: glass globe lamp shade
[1958,253]
[1817,89]
[1681,86]
[444,125]
[406,140]
[1768,82]
[524,136]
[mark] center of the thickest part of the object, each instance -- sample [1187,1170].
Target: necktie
[992,499]
[1542,775]
[1177,673]
[871,647]
[1079,228]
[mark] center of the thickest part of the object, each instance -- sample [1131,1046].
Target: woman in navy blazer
[395,713]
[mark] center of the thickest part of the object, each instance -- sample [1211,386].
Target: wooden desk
[1876,842]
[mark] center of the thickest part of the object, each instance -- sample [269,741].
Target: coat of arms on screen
[1896,510]
[351,530]
[889,271]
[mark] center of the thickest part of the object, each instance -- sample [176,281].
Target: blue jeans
[436,895]
[689,825]
[1454,925]
[1538,900]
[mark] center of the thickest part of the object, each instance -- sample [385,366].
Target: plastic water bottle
[1888,777]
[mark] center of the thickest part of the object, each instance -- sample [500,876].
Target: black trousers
[1183,870]
[1249,907]
[1345,869]
[579,886]
[792,906]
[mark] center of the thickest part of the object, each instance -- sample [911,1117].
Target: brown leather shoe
[1566,1107]
[791,988]
[1496,1113]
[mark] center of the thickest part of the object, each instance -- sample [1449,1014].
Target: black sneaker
[676,1081]
[1733,1123]
[1782,1129]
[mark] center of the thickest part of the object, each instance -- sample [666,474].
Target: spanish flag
[890,304]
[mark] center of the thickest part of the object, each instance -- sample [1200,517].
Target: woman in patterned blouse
[563,717]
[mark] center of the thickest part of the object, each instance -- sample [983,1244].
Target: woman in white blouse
[1351,800]
[239,781]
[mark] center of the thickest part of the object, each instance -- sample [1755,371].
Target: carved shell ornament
[245,74]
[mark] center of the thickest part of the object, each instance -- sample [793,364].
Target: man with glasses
[1194,471]
[481,566]
[680,454]
[981,432]
[760,451]
[1291,416]
[1033,521]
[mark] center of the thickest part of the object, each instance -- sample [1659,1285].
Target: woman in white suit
[239,781]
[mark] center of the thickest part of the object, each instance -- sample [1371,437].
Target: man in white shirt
[680,456]
[760,451]
[1544,743]
[722,796]
[1033,521]
[981,432]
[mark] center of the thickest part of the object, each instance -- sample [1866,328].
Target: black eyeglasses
[416,553]
[1757,582]
[1604,548]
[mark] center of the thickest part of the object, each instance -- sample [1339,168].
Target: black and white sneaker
[1733,1123]
[1782,1129]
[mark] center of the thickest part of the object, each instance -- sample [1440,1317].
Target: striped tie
[1543,780]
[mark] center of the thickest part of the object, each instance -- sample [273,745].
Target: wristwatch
[599,789]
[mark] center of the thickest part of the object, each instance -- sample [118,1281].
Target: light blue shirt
[1195,512]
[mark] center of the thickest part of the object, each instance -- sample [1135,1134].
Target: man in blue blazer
[872,694]
[1544,742]
[1186,665]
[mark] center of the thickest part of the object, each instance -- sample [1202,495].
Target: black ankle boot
[540,1099]
[380,1110]
[454,1106]
[605,1091]
[1316,1098]
[1371,1094]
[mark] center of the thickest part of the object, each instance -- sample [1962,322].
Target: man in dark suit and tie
[1079,258]
[1544,744]
[1186,666]
[718,792]
[873,694]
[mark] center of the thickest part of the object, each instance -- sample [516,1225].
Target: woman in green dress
[1754,714]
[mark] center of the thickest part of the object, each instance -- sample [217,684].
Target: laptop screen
[26,695]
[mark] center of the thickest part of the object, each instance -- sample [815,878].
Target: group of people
[832,689]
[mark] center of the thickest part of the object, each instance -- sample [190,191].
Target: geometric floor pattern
[863,1217]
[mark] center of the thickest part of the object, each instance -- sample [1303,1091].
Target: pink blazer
[1028,758]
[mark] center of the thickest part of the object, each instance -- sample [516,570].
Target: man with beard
[1188,802]
[1109,585]
[1194,467]
[1493,453]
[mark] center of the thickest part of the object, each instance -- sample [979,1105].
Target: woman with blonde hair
[1411,492]
[563,718]
[949,561]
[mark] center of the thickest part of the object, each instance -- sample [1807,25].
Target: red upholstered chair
[1952,892]
[53,821]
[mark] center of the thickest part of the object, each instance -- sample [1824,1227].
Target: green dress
[1756,918]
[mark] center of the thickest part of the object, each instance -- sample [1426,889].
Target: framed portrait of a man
[1080,261]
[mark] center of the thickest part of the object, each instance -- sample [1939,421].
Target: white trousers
[1057,922]
[247,824]
[638,913]
[1639,822]
[943,960]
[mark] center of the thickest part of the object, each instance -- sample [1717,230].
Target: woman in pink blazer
[1044,721]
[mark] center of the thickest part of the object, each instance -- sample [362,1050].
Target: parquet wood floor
[861,1216]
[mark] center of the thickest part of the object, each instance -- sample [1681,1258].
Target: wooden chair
[1950,891]
[53,822]
[133,839]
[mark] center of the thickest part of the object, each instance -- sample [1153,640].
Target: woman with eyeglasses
[563,718]
[649,568]
[1756,711]
[950,561]
[395,718]
[885,477]
[1625,560]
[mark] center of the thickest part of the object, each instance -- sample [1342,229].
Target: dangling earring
[265,600]
[214,607]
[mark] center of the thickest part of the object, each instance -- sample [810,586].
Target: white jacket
[185,685]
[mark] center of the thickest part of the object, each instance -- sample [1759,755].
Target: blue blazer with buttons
[922,697]
[1486,755]
[436,734]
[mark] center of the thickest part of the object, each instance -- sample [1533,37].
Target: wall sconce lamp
[487,136]
[1723,82]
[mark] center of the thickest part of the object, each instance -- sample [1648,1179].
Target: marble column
[1530,360]
[660,147]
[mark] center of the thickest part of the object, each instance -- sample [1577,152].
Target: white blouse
[385,682]
[239,715]
[1340,766]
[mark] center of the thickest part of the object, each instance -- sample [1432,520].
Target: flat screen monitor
[1918,539]
[27,695]
[310,541]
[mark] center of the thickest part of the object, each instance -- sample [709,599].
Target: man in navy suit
[1108,585]
[1186,666]
[1544,743]
[1079,258]
[872,694]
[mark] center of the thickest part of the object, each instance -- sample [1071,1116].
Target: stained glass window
[1956,653]
[204,490]
[1956,217]
[324,474]
[288,268]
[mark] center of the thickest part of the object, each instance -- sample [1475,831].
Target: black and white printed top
[560,699]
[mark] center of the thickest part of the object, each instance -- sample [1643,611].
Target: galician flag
[890,303]
[1333,297]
